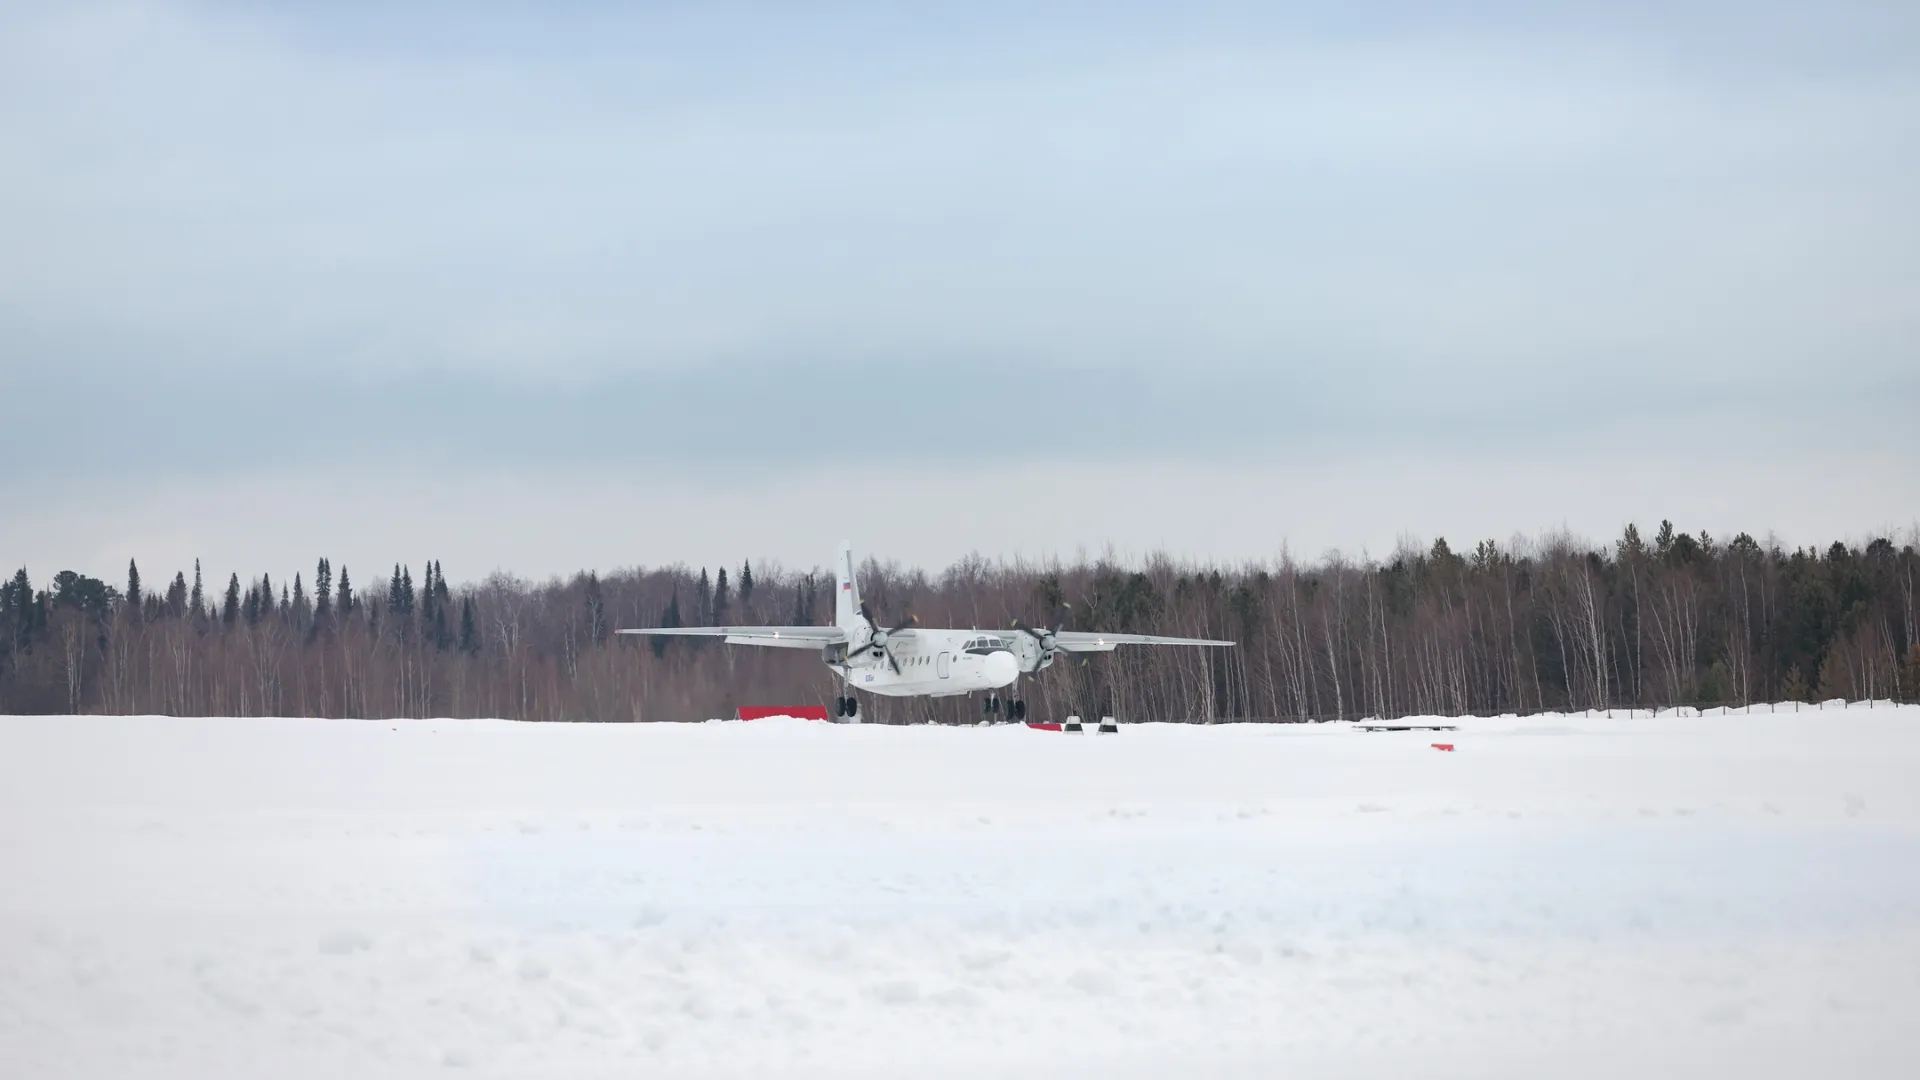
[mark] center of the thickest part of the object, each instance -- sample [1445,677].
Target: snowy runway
[1573,896]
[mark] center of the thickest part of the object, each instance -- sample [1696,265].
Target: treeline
[1547,625]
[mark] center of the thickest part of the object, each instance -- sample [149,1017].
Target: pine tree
[345,603]
[177,596]
[746,587]
[406,591]
[197,600]
[393,590]
[266,595]
[299,599]
[133,587]
[230,610]
[1630,543]
[720,599]
[703,600]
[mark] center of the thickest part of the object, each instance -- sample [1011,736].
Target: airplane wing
[778,637]
[1085,641]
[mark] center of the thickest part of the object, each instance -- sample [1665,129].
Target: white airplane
[909,661]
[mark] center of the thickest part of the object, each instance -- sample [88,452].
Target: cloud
[751,246]
[227,192]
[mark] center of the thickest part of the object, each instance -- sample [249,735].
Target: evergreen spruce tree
[197,599]
[133,587]
[1831,672]
[322,590]
[266,595]
[9,620]
[1794,686]
[344,603]
[703,600]
[427,627]
[230,610]
[669,618]
[746,586]
[442,602]
[177,596]
[24,622]
[393,590]
[299,599]
[406,591]
[469,636]
[720,598]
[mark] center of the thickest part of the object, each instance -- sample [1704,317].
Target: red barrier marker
[1447,746]
[804,712]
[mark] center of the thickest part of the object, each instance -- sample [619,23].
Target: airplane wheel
[987,706]
[1019,710]
[853,707]
[839,706]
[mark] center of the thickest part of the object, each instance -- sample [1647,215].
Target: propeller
[878,641]
[1044,635]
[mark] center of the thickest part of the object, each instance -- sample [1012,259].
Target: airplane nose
[1001,668]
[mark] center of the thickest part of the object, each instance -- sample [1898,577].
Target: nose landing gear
[846,707]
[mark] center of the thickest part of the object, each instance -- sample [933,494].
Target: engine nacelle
[1032,656]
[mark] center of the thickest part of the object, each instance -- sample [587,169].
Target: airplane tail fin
[846,592]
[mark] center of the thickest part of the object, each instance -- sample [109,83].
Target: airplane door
[940,664]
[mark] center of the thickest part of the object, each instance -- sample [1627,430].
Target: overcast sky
[565,286]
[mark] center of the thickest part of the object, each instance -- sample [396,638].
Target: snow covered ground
[1721,896]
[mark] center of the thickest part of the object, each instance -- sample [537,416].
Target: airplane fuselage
[933,663]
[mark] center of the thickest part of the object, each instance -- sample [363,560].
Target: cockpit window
[981,646]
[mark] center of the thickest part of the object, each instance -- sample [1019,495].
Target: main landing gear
[846,707]
[1014,709]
